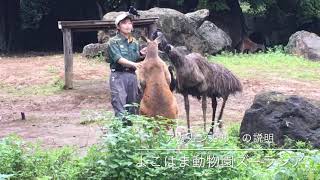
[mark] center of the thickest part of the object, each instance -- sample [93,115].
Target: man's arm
[126,63]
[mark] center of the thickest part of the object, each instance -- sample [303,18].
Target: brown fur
[247,45]
[154,78]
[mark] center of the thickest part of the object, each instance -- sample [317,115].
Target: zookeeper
[124,55]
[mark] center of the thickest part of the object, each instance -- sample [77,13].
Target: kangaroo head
[152,46]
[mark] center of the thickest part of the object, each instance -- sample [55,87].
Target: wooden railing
[67,27]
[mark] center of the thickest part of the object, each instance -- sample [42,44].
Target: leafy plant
[20,160]
[147,151]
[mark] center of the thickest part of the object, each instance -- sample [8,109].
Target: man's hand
[138,65]
[143,51]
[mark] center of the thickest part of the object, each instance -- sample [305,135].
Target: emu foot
[210,133]
[220,124]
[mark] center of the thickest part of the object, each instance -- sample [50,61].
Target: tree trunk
[8,24]
[143,4]
[231,21]
[190,5]
[101,11]
[3,31]
[236,12]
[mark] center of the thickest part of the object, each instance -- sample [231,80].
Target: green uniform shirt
[118,46]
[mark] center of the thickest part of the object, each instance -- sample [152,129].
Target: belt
[129,70]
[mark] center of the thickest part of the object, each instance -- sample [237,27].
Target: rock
[198,16]
[216,38]
[93,50]
[178,28]
[280,115]
[305,44]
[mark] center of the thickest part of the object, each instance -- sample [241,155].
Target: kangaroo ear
[158,40]
[145,39]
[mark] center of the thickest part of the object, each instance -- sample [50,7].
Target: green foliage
[217,5]
[122,149]
[308,10]
[33,11]
[180,2]
[290,143]
[254,9]
[258,3]
[110,5]
[100,56]
[24,161]
[120,153]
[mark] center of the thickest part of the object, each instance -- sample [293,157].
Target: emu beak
[168,48]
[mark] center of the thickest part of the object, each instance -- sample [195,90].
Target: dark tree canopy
[25,24]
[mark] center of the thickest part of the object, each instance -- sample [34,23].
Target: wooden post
[68,58]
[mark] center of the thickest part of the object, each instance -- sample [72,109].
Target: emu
[154,78]
[197,77]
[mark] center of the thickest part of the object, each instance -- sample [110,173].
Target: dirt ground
[54,119]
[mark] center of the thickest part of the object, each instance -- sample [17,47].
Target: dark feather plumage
[133,11]
[173,83]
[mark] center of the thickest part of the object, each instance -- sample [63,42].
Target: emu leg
[214,108]
[221,111]
[187,108]
[204,111]
[174,131]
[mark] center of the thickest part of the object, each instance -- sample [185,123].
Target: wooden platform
[67,27]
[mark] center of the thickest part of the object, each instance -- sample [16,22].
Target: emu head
[162,39]
[176,55]
[163,42]
[152,46]
[164,45]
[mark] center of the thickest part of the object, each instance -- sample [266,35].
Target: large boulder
[198,17]
[305,44]
[281,115]
[94,50]
[179,29]
[215,37]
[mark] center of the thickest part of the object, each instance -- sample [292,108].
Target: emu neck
[177,58]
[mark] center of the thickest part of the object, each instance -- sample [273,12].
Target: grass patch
[94,61]
[54,86]
[272,64]
[95,117]
[53,69]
